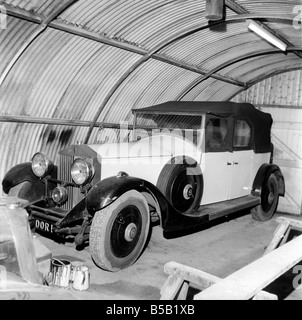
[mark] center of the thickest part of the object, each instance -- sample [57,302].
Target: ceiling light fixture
[254,26]
[214,10]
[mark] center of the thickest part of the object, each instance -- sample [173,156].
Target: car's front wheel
[119,232]
[269,200]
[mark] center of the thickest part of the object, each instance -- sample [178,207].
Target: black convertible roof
[261,122]
[223,108]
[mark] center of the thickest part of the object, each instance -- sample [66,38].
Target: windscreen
[166,121]
[186,126]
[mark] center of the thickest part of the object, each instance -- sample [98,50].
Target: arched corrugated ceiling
[69,66]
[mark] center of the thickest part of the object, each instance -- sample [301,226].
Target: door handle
[236,163]
[229,163]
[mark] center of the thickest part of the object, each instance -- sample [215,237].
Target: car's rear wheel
[119,232]
[269,200]
[182,186]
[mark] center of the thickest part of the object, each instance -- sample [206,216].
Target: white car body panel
[216,175]
[240,178]
[244,173]
[224,179]
[258,160]
[225,182]
[145,158]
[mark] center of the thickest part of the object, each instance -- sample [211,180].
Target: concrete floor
[220,249]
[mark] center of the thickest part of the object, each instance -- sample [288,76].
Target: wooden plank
[197,278]
[278,236]
[248,281]
[183,293]
[172,285]
[295,223]
[285,237]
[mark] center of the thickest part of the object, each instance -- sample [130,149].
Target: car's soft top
[261,122]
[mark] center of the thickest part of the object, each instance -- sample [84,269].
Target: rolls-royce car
[181,164]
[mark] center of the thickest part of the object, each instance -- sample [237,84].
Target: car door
[216,162]
[242,160]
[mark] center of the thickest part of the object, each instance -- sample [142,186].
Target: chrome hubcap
[270,198]
[188,192]
[130,232]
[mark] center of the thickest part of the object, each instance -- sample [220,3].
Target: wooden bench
[182,277]
[282,232]
[246,283]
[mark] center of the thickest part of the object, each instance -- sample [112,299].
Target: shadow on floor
[208,225]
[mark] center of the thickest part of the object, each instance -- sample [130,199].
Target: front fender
[75,215]
[110,189]
[100,196]
[23,172]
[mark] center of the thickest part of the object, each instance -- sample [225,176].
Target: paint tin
[81,278]
[75,266]
[61,270]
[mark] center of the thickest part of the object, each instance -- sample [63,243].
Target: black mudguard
[110,189]
[75,215]
[23,172]
[262,176]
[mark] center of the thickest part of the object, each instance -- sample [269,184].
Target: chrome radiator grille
[64,168]
[64,174]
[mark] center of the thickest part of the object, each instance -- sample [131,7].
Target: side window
[216,134]
[242,134]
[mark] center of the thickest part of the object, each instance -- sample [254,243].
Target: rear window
[242,134]
[216,135]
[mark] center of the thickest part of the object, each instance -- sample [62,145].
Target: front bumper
[60,222]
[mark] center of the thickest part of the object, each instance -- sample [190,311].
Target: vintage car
[181,163]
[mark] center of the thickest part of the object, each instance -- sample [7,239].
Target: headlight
[59,195]
[81,171]
[40,164]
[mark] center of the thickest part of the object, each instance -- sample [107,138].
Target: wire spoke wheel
[269,200]
[182,184]
[119,232]
[270,193]
[183,191]
[126,231]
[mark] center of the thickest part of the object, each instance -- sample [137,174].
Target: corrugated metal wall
[281,96]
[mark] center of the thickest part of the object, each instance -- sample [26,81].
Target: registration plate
[44,226]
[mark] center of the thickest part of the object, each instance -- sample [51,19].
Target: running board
[224,208]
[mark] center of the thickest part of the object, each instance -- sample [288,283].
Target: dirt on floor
[220,249]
